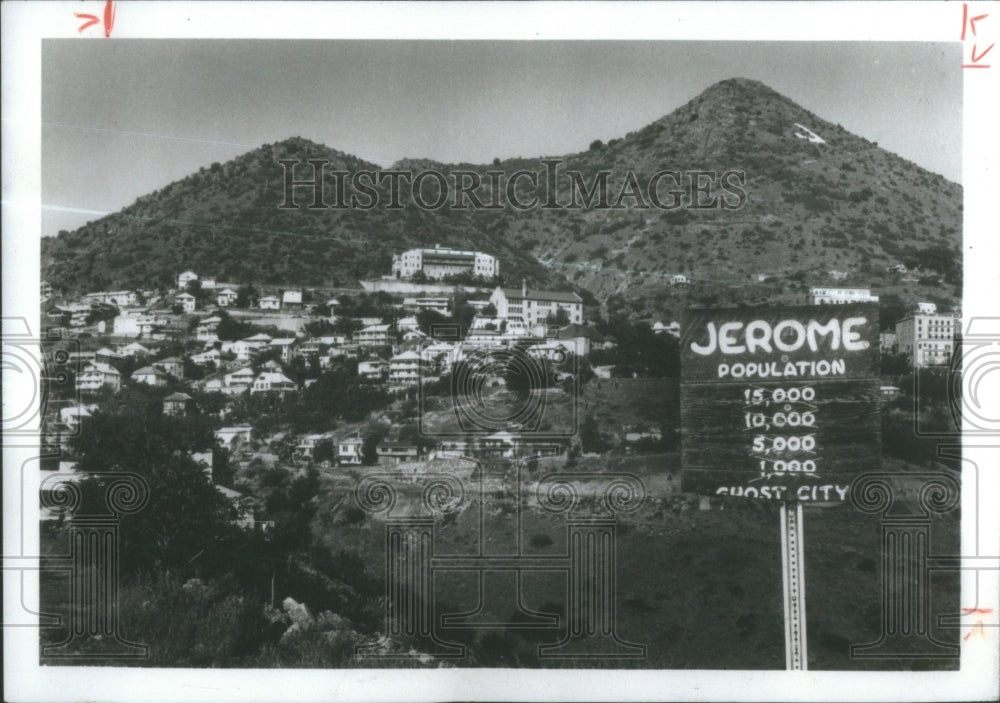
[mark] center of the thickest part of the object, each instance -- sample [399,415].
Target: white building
[289,347]
[291,297]
[121,298]
[96,375]
[928,340]
[151,376]
[238,381]
[439,262]
[532,307]
[186,301]
[927,308]
[228,436]
[679,279]
[349,450]
[134,325]
[226,297]
[840,296]
[407,368]
[437,304]
[272,382]
[74,415]
[373,369]
[269,302]
[373,335]
[133,349]
[184,278]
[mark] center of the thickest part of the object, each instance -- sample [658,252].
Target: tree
[591,439]
[559,318]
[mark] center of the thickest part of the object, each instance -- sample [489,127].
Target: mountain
[817,198]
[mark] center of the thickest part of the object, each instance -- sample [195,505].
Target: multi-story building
[928,340]
[226,297]
[439,262]
[373,369]
[407,368]
[373,335]
[840,296]
[96,375]
[437,304]
[534,306]
[151,376]
[349,450]
[187,301]
[184,278]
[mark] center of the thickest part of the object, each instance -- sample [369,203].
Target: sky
[122,118]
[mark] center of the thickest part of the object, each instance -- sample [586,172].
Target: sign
[780,403]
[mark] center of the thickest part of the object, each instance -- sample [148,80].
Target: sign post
[781,404]
[793,586]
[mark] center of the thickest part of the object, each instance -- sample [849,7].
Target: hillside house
[679,279]
[291,299]
[106,356]
[184,278]
[118,298]
[186,301]
[133,350]
[272,382]
[74,415]
[373,336]
[349,450]
[208,329]
[96,376]
[238,381]
[307,444]
[211,356]
[232,436]
[288,346]
[269,302]
[208,284]
[173,365]
[176,404]
[396,452]
[407,368]
[373,369]
[226,298]
[151,376]
[439,262]
[134,325]
[532,307]
[840,296]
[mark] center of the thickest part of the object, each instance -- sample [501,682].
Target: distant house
[238,381]
[896,268]
[349,450]
[373,369]
[119,298]
[74,415]
[97,375]
[674,328]
[272,382]
[176,403]
[307,444]
[407,368]
[172,365]
[289,347]
[229,436]
[679,279]
[373,335]
[208,284]
[211,356]
[269,302]
[208,329]
[106,355]
[187,301]
[245,349]
[134,325]
[840,296]
[184,278]
[581,336]
[927,308]
[396,452]
[151,376]
[226,297]
[132,350]
[291,298]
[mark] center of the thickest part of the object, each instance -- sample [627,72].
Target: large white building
[532,307]
[929,340]
[437,263]
[840,296]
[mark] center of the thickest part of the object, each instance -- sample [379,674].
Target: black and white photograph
[497,364]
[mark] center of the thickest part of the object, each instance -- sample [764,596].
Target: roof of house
[273,377]
[171,360]
[406,356]
[283,341]
[178,397]
[261,337]
[184,295]
[148,371]
[553,295]
[103,368]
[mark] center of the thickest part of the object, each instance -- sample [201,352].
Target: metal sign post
[793,587]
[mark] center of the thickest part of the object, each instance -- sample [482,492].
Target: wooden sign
[780,403]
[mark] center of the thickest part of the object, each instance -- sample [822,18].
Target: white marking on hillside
[809,134]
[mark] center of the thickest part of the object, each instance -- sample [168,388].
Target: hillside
[817,199]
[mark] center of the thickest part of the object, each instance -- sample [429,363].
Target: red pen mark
[978,630]
[969,23]
[983,611]
[109,19]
